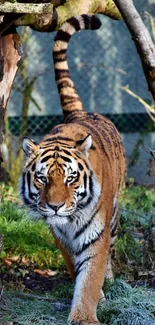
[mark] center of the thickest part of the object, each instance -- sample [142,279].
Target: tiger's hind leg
[102,297]
[108,276]
[109,273]
[113,234]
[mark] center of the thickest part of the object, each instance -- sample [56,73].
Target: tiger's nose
[56,207]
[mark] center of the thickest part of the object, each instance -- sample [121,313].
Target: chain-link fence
[41,125]
[101,62]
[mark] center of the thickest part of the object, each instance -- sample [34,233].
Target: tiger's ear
[85,144]
[29,146]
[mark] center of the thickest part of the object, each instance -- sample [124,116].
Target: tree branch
[26,8]
[41,17]
[150,110]
[142,39]
[74,8]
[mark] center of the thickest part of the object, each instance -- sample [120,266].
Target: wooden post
[10,57]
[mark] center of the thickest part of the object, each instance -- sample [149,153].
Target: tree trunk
[142,39]
[10,57]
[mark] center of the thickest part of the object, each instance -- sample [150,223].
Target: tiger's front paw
[83,316]
[79,322]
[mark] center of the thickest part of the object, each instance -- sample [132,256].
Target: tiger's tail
[70,100]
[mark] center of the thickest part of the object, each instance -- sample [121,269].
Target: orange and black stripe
[70,100]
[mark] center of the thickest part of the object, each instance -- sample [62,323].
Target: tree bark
[10,57]
[142,40]
[48,17]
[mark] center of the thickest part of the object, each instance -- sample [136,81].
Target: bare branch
[26,8]
[142,39]
[150,110]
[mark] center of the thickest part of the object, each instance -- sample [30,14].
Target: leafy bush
[135,244]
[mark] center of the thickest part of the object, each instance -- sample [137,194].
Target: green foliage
[8,192]
[26,237]
[135,243]
[137,199]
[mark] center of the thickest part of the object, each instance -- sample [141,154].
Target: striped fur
[73,178]
[70,100]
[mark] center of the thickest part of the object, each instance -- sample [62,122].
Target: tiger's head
[57,180]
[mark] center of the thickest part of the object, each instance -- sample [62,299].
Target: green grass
[124,306]
[27,237]
[24,310]
[127,306]
[32,239]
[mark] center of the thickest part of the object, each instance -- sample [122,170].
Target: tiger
[73,179]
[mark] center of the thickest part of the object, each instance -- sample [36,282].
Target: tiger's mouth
[56,218]
[49,213]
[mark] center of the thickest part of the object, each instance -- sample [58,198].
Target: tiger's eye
[43,179]
[69,178]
